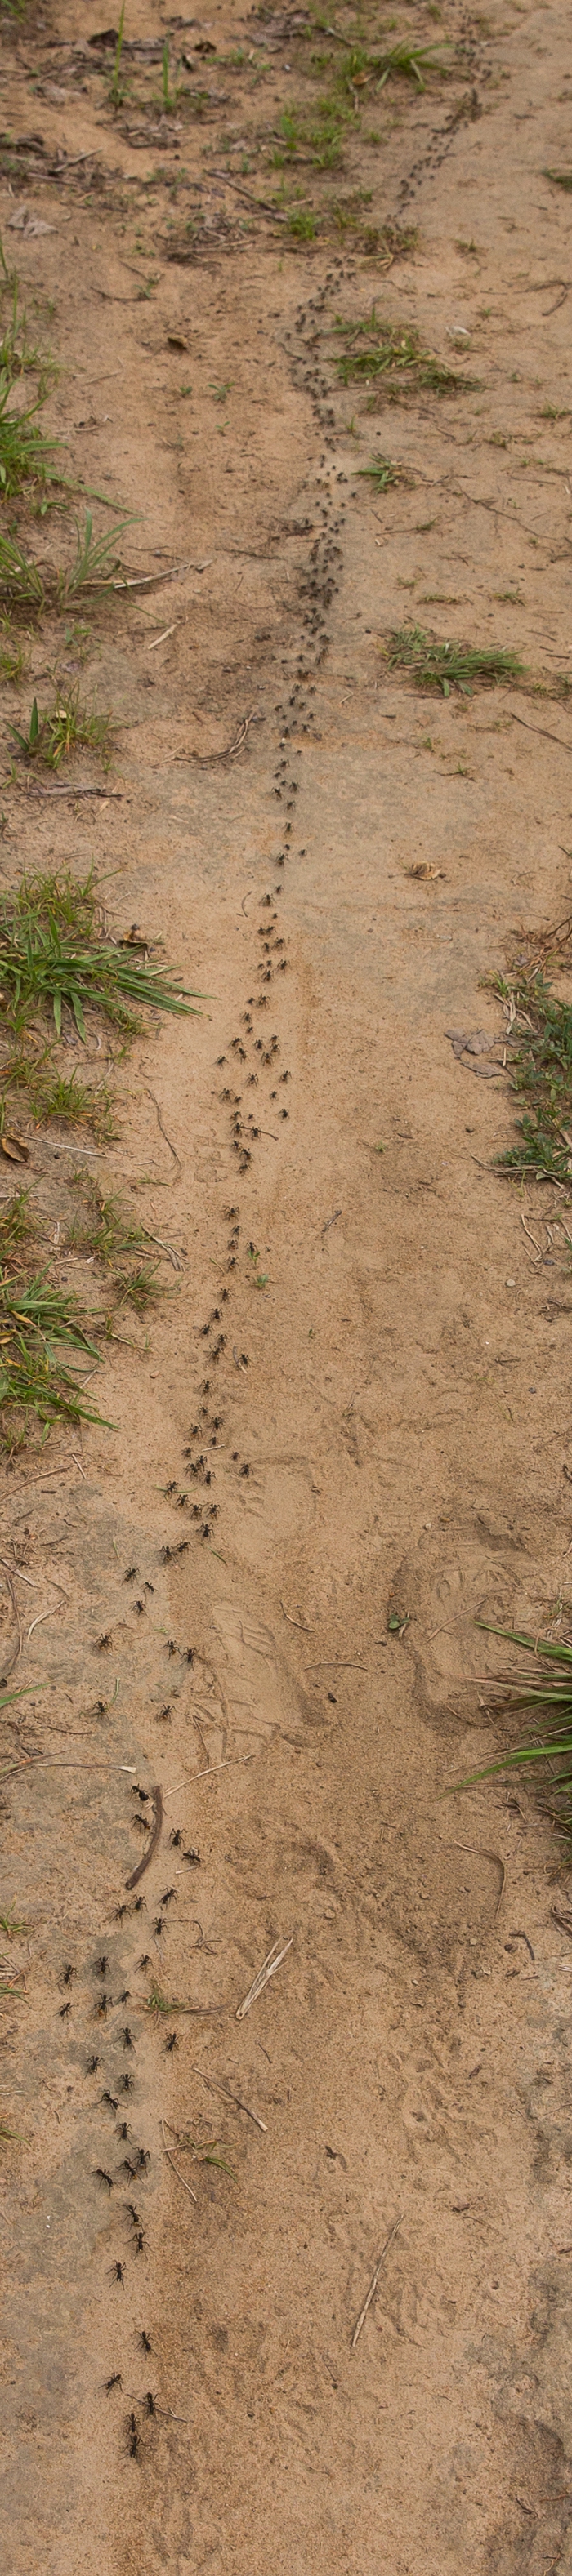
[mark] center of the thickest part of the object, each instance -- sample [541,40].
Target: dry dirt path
[361,1348]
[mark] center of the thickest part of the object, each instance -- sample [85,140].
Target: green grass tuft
[547,1692]
[447,666]
[541,1075]
[377,349]
[35,1319]
[52,953]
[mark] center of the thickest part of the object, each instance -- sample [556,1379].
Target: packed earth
[285,1287]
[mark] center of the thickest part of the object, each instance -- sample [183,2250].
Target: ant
[175,1839]
[167,1899]
[118,2273]
[69,1972]
[164,1712]
[158,1927]
[131,1575]
[139,2242]
[150,2402]
[102,2176]
[171,2043]
[123,2130]
[145,1962]
[192,1856]
[125,1997]
[133,2439]
[64,2008]
[144,2340]
[114,2382]
[101,2006]
[127,2038]
[132,2213]
[100,1643]
[139,1904]
[92,2065]
[120,1912]
[111,2101]
[171,1647]
[127,2083]
[101,1967]
[127,2168]
[143,2158]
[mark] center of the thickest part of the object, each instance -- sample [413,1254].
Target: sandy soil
[362,1347]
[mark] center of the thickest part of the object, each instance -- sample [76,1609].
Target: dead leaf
[422,868]
[14,1149]
[176,340]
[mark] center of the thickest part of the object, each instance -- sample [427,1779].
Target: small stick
[297,1623]
[136,1874]
[214,2086]
[330,1220]
[523,1936]
[180,2177]
[360,2321]
[113,793]
[268,1969]
[161,639]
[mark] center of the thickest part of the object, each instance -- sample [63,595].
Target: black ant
[192,1856]
[139,2242]
[69,1972]
[123,2131]
[175,1838]
[144,2340]
[131,1575]
[133,2439]
[64,2008]
[118,2272]
[102,2176]
[158,1927]
[140,1607]
[171,2043]
[111,2100]
[132,2213]
[172,1488]
[164,1712]
[150,2402]
[92,2065]
[139,1905]
[100,1643]
[120,1912]
[145,1962]
[125,1997]
[127,2038]
[127,2168]
[167,1899]
[114,2382]
[127,2083]
[143,2158]
[171,1647]
[101,1967]
[101,2006]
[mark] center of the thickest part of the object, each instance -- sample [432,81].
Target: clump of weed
[560,178]
[542,1688]
[25,453]
[364,71]
[447,666]
[53,952]
[63,729]
[374,349]
[382,474]
[35,1319]
[540,1031]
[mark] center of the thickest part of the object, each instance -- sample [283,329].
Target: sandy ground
[362,1347]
